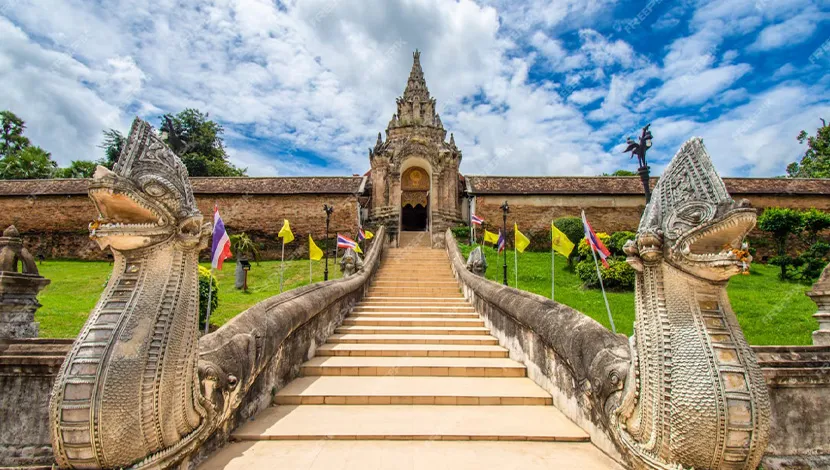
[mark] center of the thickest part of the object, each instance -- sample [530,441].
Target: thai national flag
[361,235]
[594,241]
[345,242]
[476,219]
[502,241]
[221,246]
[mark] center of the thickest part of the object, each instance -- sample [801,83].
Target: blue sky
[528,88]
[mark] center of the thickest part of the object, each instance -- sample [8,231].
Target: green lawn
[76,286]
[769,310]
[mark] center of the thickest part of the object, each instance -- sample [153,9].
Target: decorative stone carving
[350,263]
[821,296]
[477,262]
[20,283]
[695,396]
[128,392]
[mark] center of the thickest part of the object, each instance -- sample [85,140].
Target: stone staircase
[409,380]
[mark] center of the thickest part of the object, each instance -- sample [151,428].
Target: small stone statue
[476,262]
[18,290]
[350,263]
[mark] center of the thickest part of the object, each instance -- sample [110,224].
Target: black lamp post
[329,209]
[470,198]
[639,149]
[505,209]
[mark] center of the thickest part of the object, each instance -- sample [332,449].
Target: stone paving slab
[413,423]
[408,455]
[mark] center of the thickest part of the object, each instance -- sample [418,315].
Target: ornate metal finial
[639,149]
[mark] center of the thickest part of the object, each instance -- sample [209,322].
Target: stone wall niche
[20,283]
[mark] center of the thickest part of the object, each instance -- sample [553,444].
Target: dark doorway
[414,219]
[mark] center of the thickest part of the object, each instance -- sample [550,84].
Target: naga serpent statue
[695,396]
[128,392]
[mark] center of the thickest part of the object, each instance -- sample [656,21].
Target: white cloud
[787,33]
[519,83]
[695,88]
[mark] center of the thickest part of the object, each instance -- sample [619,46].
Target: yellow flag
[368,234]
[521,241]
[314,252]
[560,242]
[285,233]
[490,237]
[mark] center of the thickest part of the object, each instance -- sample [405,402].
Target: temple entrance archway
[415,186]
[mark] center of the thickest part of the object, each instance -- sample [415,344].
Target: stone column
[18,290]
[821,296]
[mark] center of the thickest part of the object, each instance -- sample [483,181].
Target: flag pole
[282,264]
[210,298]
[310,271]
[335,257]
[516,260]
[602,286]
[552,266]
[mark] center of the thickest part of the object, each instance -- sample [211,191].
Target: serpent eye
[155,189]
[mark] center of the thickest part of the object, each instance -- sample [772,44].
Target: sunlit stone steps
[412,350]
[394,390]
[413,361]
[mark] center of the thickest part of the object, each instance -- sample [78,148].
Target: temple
[415,183]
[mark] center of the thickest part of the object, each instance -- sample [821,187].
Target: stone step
[412,350]
[356,338]
[373,455]
[412,391]
[422,283]
[426,296]
[413,330]
[422,423]
[421,302]
[417,300]
[358,320]
[417,291]
[413,366]
[439,314]
[415,308]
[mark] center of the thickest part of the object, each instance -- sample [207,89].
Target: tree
[77,169]
[11,139]
[29,163]
[816,160]
[112,144]
[198,141]
[620,173]
[781,222]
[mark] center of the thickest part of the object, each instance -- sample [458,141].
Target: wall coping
[475,184]
[230,185]
[630,185]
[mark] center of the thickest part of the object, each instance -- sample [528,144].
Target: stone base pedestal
[18,303]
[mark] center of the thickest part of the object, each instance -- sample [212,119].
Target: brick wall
[608,213]
[56,226]
[53,215]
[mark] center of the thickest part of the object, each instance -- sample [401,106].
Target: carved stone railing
[578,361]
[263,347]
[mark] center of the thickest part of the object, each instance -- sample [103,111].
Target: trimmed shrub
[462,233]
[572,228]
[618,240]
[619,275]
[205,286]
[585,251]
[815,221]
